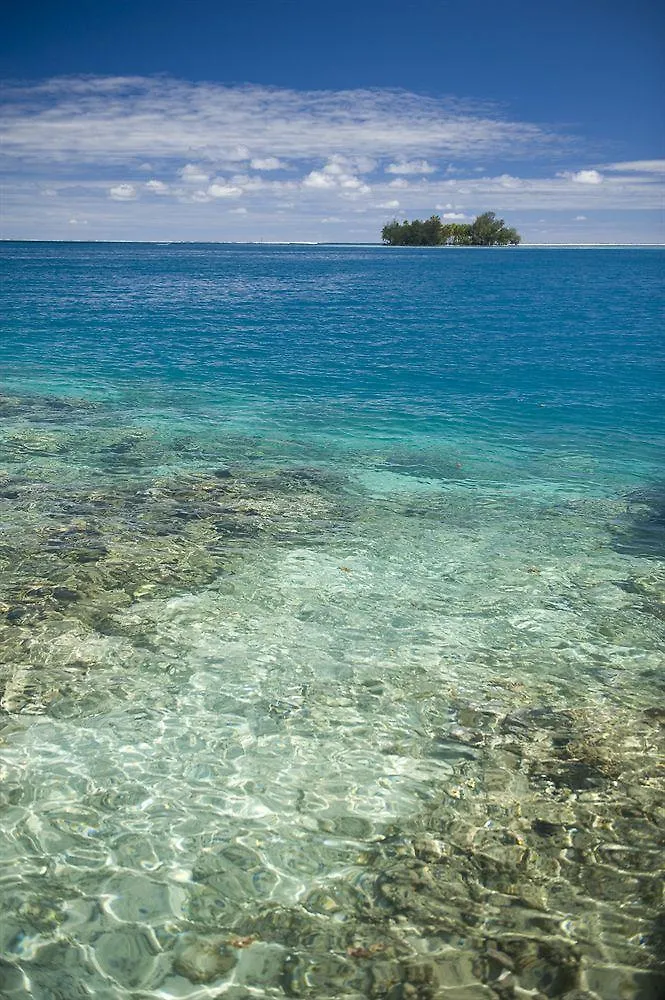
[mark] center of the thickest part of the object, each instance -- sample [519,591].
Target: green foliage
[456,234]
[485,231]
[488,231]
[413,234]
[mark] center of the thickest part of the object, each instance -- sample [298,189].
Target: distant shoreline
[312,243]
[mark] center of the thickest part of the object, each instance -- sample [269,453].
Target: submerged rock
[509,890]
[82,557]
[640,530]
[203,959]
[533,853]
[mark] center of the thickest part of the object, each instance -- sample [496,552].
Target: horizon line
[364,243]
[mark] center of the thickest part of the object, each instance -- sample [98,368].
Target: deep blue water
[309,557]
[576,334]
[535,350]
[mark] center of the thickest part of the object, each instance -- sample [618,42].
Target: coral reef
[518,700]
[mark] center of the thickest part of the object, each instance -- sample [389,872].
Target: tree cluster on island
[485,231]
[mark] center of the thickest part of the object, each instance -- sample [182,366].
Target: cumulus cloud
[453,216]
[123,192]
[359,164]
[585,177]
[508,181]
[197,144]
[410,167]
[267,163]
[319,180]
[221,189]
[506,193]
[336,175]
[192,173]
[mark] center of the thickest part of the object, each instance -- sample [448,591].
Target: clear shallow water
[331,593]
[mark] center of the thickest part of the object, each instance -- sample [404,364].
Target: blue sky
[286,119]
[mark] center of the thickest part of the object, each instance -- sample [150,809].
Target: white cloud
[580,218]
[123,192]
[507,193]
[78,222]
[238,211]
[157,187]
[224,190]
[410,167]
[336,175]
[508,181]
[638,166]
[191,173]
[359,164]
[267,163]
[453,216]
[100,120]
[356,151]
[319,180]
[585,177]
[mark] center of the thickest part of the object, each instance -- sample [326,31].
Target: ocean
[332,620]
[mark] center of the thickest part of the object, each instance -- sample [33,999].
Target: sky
[302,120]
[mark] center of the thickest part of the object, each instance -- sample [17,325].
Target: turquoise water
[332,607]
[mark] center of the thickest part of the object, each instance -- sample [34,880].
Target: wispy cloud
[638,166]
[563,191]
[113,120]
[410,167]
[162,158]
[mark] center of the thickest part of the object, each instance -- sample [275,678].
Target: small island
[485,231]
